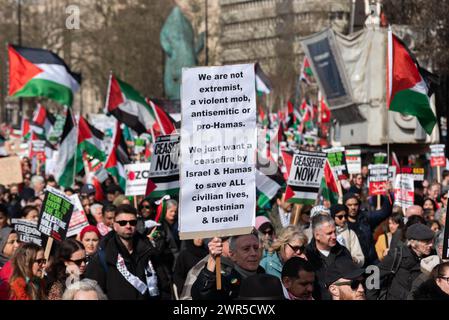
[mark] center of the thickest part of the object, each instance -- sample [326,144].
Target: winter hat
[419,231]
[261,221]
[88,189]
[89,229]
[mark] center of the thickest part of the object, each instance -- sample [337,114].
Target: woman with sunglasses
[69,266]
[345,236]
[290,243]
[26,281]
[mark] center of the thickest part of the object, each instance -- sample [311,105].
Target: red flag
[164,123]
[287,159]
[394,161]
[99,195]
[288,193]
[325,112]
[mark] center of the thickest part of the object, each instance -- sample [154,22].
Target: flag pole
[76,148]
[389,80]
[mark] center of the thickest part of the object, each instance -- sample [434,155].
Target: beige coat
[349,239]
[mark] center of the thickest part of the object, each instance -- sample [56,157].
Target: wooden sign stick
[438,174]
[378,202]
[298,208]
[47,250]
[218,272]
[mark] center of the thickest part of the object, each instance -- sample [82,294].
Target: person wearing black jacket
[324,252]
[363,223]
[402,266]
[188,257]
[245,255]
[126,265]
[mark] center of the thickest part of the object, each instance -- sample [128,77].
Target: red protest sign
[377,188]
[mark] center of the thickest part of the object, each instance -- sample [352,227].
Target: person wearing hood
[8,244]
[345,236]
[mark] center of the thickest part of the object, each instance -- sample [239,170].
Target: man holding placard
[218,144]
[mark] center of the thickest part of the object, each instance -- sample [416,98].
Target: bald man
[414,211]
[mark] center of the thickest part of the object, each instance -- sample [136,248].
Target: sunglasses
[79,262]
[355,283]
[299,249]
[342,216]
[40,261]
[146,207]
[269,232]
[123,223]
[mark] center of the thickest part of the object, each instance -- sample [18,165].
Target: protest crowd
[109,215]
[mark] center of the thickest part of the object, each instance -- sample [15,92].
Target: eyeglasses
[355,283]
[299,249]
[123,223]
[79,262]
[342,216]
[40,261]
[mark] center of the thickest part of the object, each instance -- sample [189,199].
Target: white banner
[354,161]
[403,191]
[218,144]
[137,175]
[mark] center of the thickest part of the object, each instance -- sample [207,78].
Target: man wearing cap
[88,191]
[401,266]
[345,281]
[364,223]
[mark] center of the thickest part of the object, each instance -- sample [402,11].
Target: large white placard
[218,143]
[137,175]
[354,161]
[404,195]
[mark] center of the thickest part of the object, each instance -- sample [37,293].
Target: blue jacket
[272,264]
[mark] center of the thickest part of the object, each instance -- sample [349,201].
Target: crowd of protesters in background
[327,255]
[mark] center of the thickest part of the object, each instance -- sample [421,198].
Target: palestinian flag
[118,157]
[287,157]
[26,132]
[263,84]
[263,119]
[128,106]
[161,210]
[301,185]
[41,73]
[269,180]
[164,124]
[90,140]
[306,71]
[329,188]
[67,166]
[407,92]
[43,121]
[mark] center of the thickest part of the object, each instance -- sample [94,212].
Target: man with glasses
[345,281]
[402,266]
[127,266]
[324,252]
